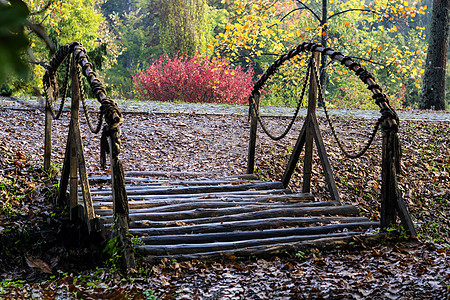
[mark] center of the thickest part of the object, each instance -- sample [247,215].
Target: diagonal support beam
[294,156]
[326,166]
[309,134]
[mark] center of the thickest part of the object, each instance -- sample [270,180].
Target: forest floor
[44,256]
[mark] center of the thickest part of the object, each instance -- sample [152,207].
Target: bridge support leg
[120,205]
[326,166]
[73,196]
[294,156]
[84,182]
[48,137]
[253,132]
[391,197]
[309,134]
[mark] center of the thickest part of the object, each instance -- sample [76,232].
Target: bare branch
[354,9]
[380,13]
[292,11]
[311,11]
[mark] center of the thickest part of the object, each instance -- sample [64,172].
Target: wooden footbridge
[209,218]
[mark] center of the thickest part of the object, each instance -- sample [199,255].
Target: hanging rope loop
[254,107]
[109,111]
[388,120]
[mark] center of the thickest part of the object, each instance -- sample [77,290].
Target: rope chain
[85,108]
[54,83]
[109,111]
[294,117]
[336,137]
[387,112]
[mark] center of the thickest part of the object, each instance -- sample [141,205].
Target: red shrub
[193,80]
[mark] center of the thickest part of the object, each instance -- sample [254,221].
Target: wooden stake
[252,140]
[82,172]
[65,173]
[120,201]
[388,213]
[294,156]
[74,121]
[48,135]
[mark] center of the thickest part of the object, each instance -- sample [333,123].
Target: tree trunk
[433,90]
[323,60]
[182,26]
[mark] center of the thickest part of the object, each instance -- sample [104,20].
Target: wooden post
[83,179]
[78,172]
[74,122]
[388,211]
[294,156]
[391,197]
[253,132]
[120,206]
[65,173]
[312,103]
[48,134]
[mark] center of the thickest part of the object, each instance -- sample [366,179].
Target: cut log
[151,182]
[234,245]
[167,174]
[141,227]
[216,208]
[263,250]
[293,198]
[202,216]
[246,235]
[235,194]
[199,189]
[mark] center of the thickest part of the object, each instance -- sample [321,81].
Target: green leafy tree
[13,41]
[385,34]
[182,27]
[63,22]
[136,28]
[137,51]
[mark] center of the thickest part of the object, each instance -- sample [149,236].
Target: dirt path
[135,106]
[217,145]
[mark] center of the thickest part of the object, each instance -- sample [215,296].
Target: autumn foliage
[193,80]
[387,37]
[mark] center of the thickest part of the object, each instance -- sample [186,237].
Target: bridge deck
[238,216]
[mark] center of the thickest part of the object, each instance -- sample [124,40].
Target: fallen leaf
[38,263]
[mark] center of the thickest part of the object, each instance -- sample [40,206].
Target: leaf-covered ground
[42,255]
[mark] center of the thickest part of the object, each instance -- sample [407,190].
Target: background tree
[49,24]
[136,46]
[13,41]
[182,26]
[433,90]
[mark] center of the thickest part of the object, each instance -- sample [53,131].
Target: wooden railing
[391,198]
[74,171]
